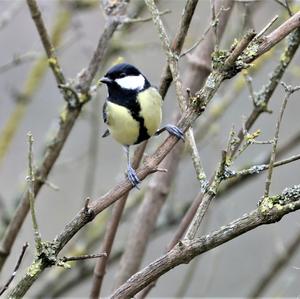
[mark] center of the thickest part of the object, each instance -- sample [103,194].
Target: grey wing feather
[104,113]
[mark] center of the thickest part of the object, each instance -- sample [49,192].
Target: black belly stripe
[127,99]
[143,133]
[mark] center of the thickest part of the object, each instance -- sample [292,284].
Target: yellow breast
[151,103]
[121,125]
[124,128]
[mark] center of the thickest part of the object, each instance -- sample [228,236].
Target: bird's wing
[106,133]
[104,112]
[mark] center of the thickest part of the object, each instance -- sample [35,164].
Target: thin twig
[173,64]
[211,193]
[255,169]
[248,81]
[31,196]
[83,257]
[214,21]
[48,46]
[265,29]
[285,6]
[239,180]
[209,27]
[289,91]
[263,97]
[6,286]
[141,20]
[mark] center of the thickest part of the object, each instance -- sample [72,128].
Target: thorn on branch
[86,205]
[87,211]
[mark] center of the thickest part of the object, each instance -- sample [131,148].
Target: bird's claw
[173,130]
[132,177]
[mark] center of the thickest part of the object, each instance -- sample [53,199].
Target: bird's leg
[131,174]
[173,130]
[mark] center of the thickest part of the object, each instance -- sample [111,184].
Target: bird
[132,110]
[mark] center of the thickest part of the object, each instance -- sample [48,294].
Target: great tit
[132,110]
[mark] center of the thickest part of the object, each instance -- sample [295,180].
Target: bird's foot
[173,130]
[132,177]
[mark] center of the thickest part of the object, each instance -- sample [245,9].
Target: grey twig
[289,91]
[31,196]
[49,48]
[248,81]
[208,196]
[83,257]
[141,20]
[285,5]
[6,286]
[173,65]
[255,169]
[263,97]
[186,250]
[265,29]
[214,21]
[209,27]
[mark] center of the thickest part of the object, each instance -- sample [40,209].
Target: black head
[125,76]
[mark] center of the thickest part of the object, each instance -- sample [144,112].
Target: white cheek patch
[132,82]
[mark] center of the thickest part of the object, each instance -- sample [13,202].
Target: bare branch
[31,179]
[186,250]
[6,286]
[289,90]
[83,257]
[49,48]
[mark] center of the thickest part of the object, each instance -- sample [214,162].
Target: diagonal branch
[186,250]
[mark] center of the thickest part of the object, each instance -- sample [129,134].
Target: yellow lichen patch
[251,137]
[34,268]
[64,114]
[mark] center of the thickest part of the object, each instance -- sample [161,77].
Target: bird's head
[125,76]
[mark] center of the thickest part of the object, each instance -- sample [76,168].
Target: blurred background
[89,165]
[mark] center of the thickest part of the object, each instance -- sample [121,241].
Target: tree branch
[186,250]
[203,97]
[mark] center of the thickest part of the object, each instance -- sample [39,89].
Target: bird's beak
[106,80]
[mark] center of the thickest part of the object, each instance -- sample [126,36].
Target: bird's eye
[122,75]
